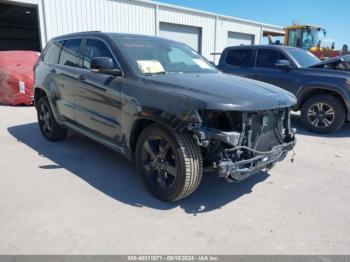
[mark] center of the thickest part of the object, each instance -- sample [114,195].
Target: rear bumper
[238,171]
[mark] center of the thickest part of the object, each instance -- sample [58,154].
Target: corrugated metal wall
[140,17]
[207,24]
[225,25]
[103,15]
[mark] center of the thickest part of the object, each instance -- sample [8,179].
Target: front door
[98,97]
[266,70]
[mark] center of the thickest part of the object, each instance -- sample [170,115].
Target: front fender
[170,110]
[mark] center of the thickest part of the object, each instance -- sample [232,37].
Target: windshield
[312,38]
[304,58]
[306,38]
[158,57]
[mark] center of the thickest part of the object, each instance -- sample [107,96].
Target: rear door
[98,98]
[66,75]
[46,75]
[266,71]
[238,62]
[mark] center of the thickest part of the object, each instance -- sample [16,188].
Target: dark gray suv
[322,88]
[158,102]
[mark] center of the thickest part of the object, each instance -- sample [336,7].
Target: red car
[17,77]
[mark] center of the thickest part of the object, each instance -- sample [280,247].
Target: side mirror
[283,64]
[104,65]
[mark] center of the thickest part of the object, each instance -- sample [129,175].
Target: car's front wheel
[170,162]
[49,127]
[323,114]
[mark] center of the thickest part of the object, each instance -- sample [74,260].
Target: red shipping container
[17,77]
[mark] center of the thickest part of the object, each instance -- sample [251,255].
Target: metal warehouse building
[29,24]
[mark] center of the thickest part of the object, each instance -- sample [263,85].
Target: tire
[177,149]
[49,127]
[323,114]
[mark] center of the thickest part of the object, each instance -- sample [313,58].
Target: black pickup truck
[322,88]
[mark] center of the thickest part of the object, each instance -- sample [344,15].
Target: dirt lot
[78,197]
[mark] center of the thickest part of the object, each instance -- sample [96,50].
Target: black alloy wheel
[49,127]
[169,161]
[159,162]
[45,118]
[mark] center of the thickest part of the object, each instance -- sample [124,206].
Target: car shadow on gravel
[342,133]
[115,176]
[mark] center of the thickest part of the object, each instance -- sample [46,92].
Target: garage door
[236,39]
[19,27]
[189,35]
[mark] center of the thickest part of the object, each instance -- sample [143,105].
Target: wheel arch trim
[307,90]
[52,106]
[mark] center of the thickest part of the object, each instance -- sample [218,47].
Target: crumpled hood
[343,59]
[225,92]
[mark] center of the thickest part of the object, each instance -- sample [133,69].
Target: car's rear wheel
[323,114]
[49,127]
[170,162]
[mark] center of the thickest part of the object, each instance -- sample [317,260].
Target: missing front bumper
[238,171]
[254,142]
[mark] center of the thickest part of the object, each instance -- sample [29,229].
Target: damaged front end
[237,145]
[339,63]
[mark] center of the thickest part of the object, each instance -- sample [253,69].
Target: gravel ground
[78,197]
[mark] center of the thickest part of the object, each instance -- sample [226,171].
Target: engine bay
[237,145]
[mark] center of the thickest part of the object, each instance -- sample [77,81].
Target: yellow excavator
[311,38]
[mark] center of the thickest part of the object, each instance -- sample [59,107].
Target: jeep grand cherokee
[158,102]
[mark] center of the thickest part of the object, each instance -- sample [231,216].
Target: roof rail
[92,31]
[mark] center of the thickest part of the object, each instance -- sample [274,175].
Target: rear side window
[52,53]
[70,53]
[96,48]
[267,58]
[240,57]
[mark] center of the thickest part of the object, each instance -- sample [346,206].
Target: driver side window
[96,48]
[267,58]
